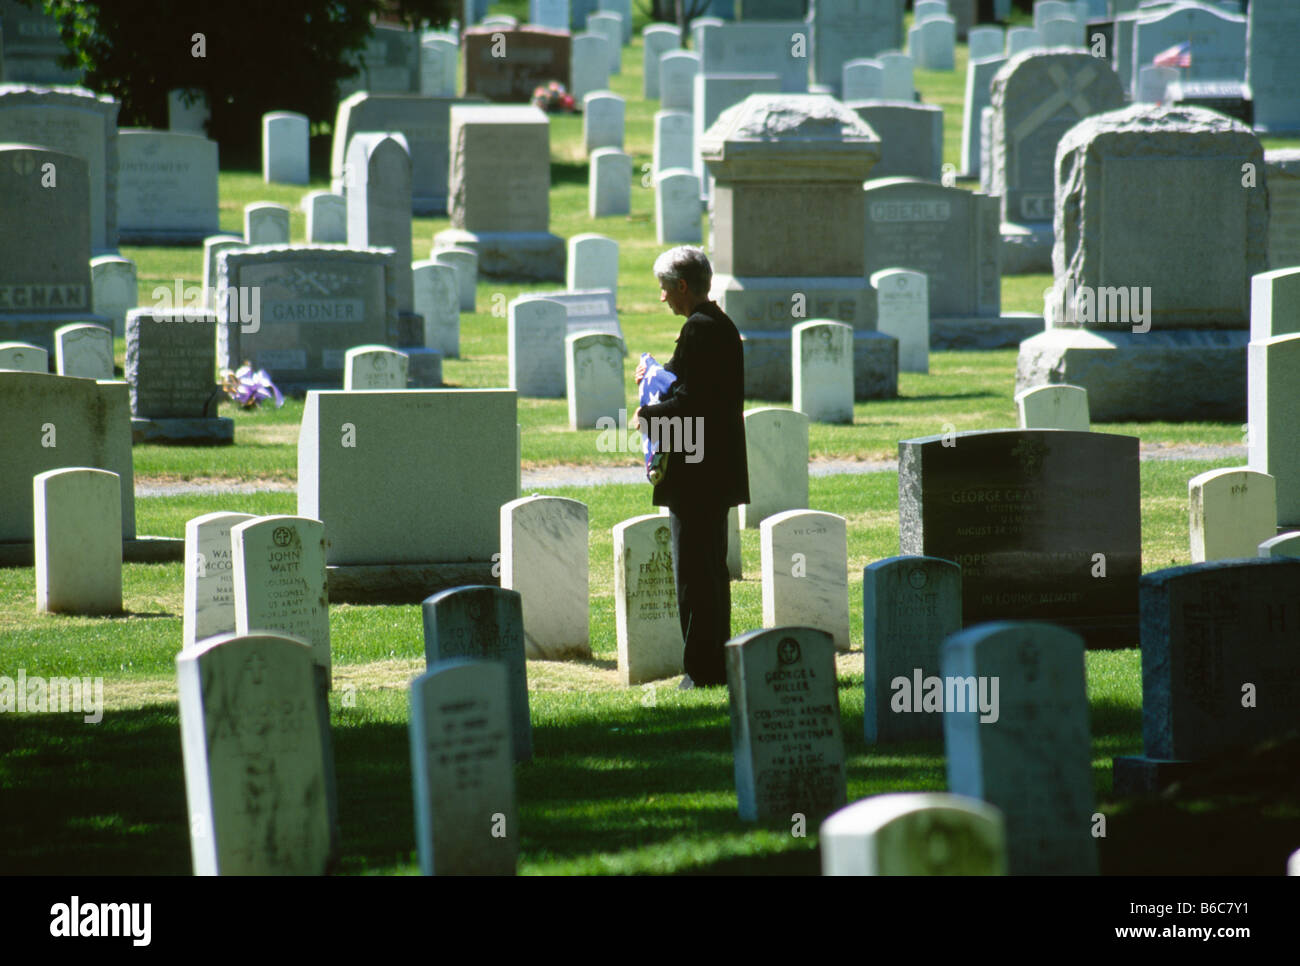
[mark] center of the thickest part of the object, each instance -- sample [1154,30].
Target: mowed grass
[624,780]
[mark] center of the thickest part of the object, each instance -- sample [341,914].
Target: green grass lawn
[624,780]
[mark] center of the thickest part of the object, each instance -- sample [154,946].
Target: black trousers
[699,536]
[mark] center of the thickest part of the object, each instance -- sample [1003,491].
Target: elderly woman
[707,472]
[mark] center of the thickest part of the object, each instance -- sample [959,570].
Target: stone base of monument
[410,330]
[1175,375]
[424,369]
[203,431]
[1027,247]
[402,583]
[531,255]
[768,373]
[38,328]
[779,304]
[164,236]
[135,550]
[984,332]
[1137,776]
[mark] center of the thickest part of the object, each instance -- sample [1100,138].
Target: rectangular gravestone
[544,557]
[650,644]
[462,774]
[903,311]
[296,311]
[593,377]
[785,724]
[914,833]
[85,351]
[758,48]
[431,509]
[1273,33]
[78,541]
[379,203]
[910,605]
[979,95]
[1034,518]
[1220,665]
[258,762]
[1274,414]
[1232,511]
[1217,39]
[114,289]
[89,424]
[279,582]
[677,70]
[1283,167]
[425,122]
[484,623]
[1027,751]
[776,444]
[846,29]
[911,138]
[677,206]
[533,56]
[166,187]
[170,365]
[591,310]
[536,328]
[209,604]
[805,572]
[375,367]
[24,357]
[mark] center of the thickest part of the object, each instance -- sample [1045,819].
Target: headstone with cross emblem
[70,121]
[785,725]
[295,311]
[279,582]
[1015,734]
[375,367]
[1220,666]
[1037,97]
[45,274]
[914,833]
[1045,524]
[483,623]
[258,764]
[910,604]
[645,601]
[461,768]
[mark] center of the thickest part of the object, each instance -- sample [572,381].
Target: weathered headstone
[1026,751]
[649,629]
[1044,523]
[544,558]
[462,774]
[593,366]
[677,206]
[1217,39]
[437,301]
[84,350]
[805,572]
[115,289]
[776,446]
[1054,407]
[327,219]
[785,724]
[258,761]
[284,147]
[279,582]
[609,188]
[209,603]
[910,604]
[439,66]
[483,623]
[24,357]
[166,187]
[822,372]
[78,545]
[296,311]
[171,370]
[1232,511]
[266,223]
[1274,414]
[911,138]
[1220,669]
[500,183]
[915,833]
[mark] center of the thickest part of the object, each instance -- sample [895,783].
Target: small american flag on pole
[654,387]
[1179,55]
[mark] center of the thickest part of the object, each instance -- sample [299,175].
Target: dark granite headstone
[509,68]
[171,363]
[1225,96]
[1045,524]
[484,622]
[785,724]
[909,606]
[1220,664]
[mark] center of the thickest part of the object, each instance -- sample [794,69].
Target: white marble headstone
[284,147]
[776,444]
[822,370]
[1058,406]
[266,223]
[903,311]
[677,206]
[593,366]
[535,332]
[609,190]
[1231,512]
[84,350]
[544,556]
[649,630]
[209,604]
[375,367]
[805,563]
[593,263]
[78,545]
[914,833]
[436,288]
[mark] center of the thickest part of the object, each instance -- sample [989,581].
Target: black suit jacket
[710,390]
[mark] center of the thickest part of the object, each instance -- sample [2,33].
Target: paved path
[550,477]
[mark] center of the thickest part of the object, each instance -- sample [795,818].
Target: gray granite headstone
[258,764]
[785,724]
[485,623]
[166,187]
[379,203]
[911,138]
[1274,413]
[845,29]
[462,775]
[779,48]
[1273,35]
[171,363]
[1218,40]
[1045,524]
[909,606]
[1016,735]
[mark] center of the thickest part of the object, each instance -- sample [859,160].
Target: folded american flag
[654,387]
[1179,55]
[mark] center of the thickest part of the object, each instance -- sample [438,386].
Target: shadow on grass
[568,172]
[947,396]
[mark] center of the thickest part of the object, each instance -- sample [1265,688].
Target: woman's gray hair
[688,263]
